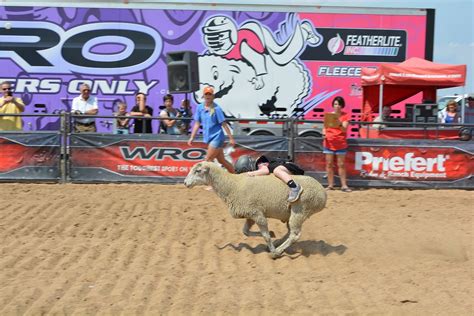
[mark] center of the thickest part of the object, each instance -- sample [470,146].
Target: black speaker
[425,113]
[183,71]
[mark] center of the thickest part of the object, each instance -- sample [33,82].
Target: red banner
[29,156]
[402,163]
[418,163]
[389,163]
[141,158]
[398,163]
[127,158]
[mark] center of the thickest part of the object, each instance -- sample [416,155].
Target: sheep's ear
[205,169]
[199,168]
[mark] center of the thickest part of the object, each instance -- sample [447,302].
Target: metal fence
[62,155]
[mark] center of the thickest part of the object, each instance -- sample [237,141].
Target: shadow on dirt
[305,248]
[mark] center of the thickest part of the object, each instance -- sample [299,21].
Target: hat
[208,90]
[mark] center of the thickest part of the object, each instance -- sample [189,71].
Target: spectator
[85,104]
[170,127]
[283,170]
[211,116]
[143,110]
[10,105]
[449,114]
[121,125]
[335,144]
[384,117]
[186,112]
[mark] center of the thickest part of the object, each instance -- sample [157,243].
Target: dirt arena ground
[163,249]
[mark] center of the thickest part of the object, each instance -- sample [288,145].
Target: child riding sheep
[283,170]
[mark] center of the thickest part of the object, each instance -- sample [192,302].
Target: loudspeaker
[425,113]
[183,71]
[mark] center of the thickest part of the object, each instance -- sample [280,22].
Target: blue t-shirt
[449,119]
[211,124]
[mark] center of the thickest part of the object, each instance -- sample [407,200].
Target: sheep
[262,197]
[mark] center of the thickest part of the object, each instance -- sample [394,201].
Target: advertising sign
[261,64]
[29,156]
[391,163]
[369,163]
[96,158]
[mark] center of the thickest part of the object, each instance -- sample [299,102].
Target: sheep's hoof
[274,255]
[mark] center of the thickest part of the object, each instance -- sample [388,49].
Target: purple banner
[261,64]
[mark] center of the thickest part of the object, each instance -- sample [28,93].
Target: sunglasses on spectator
[85,90]
[6,89]
[207,93]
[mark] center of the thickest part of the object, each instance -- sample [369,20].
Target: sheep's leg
[248,224]
[278,242]
[246,229]
[295,223]
[294,236]
[263,225]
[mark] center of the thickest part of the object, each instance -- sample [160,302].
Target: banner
[261,64]
[396,163]
[151,158]
[369,163]
[28,156]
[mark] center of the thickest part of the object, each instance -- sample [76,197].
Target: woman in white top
[450,113]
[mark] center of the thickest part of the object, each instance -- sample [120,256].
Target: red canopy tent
[393,83]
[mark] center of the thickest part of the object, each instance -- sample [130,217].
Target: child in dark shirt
[186,112]
[283,170]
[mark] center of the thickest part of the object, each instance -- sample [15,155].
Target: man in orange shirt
[10,105]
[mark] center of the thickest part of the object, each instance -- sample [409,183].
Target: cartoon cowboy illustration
[254,43]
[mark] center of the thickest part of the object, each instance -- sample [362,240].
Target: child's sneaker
[295,193]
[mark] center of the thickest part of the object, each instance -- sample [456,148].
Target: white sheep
[262,197]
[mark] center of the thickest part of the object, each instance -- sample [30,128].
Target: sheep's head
[199,175]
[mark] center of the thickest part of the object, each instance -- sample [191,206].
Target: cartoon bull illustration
[286,87]
[253,71]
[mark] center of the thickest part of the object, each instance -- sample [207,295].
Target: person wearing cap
[210,116]
[283,170]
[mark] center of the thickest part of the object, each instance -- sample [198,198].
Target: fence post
[291,138]
[64,150]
